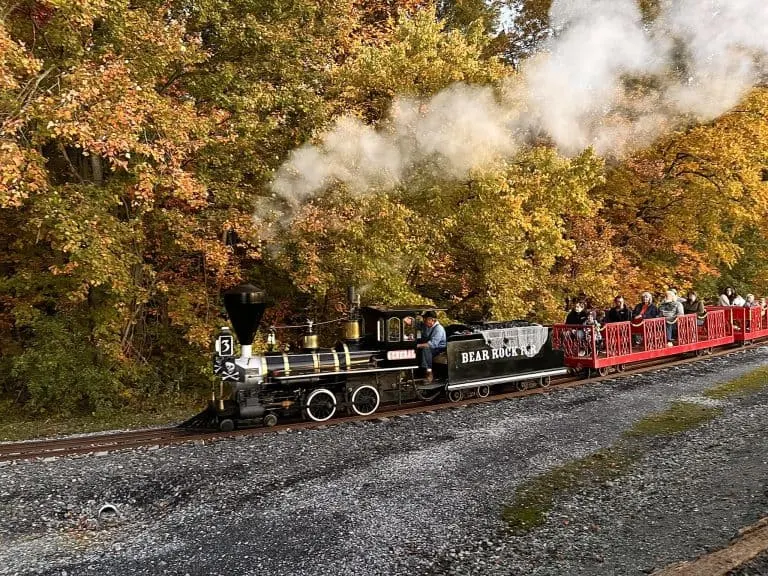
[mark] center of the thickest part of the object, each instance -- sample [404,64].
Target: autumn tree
[686,209]
[135,139]
[486,245]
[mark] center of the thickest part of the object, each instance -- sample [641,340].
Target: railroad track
[103,443]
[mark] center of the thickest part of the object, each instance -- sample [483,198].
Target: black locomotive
[375,362]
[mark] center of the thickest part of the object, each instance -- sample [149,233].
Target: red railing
[575,340]
[718,324]
[687,330]
[742,321]
[618,339]
[757,319]
[653,332]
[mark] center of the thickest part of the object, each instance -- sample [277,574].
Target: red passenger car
[622,343]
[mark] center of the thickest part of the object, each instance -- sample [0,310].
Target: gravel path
[411,495]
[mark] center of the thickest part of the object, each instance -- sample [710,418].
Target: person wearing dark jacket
[646,308]
[693,305]
[620,311]
[577,315]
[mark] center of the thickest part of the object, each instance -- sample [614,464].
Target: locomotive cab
[396,332]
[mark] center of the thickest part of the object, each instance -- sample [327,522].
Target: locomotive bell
[351,330]
[310,342]
[245,307]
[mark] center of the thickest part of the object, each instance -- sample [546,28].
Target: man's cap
[429,314]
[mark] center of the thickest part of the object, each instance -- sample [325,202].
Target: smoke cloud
[606,79]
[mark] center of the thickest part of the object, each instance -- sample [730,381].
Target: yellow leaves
[79,13]
[21,174]
[681,207]
[17,65]
[420,59]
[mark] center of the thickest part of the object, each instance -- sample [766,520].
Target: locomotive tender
[375,362]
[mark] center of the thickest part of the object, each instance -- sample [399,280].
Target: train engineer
[433,341]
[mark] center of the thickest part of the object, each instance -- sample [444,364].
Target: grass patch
[742,386]
[13,427]
[534,499]
[679,417]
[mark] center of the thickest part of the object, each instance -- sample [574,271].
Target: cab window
[409,329]
[393,330]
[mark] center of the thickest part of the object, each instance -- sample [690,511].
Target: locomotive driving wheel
[545,382]
[365,400]
[321,405]
[455,395]
[483,391]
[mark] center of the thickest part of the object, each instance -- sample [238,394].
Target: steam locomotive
[375,362]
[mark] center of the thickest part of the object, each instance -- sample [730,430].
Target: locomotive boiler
[376,361]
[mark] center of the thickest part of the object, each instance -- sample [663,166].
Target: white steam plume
[726,43]
[458,129]
[696,60]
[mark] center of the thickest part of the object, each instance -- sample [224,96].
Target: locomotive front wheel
[270,420]
[321,405]
[483,391]
[455,395]
[365,400]
[226,425]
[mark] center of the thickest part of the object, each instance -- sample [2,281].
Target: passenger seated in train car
[645,309]
[738,300]
[750,302]
[433,342]
[594,324]
[620,311]
[670,309]
[677,295]
[599,315]
[726,297]
[694,305]
[577,315]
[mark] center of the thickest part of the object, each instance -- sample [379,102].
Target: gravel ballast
[410,495]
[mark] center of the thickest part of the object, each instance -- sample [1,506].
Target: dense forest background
[140,141]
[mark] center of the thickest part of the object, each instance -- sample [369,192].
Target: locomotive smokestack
[245,307]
